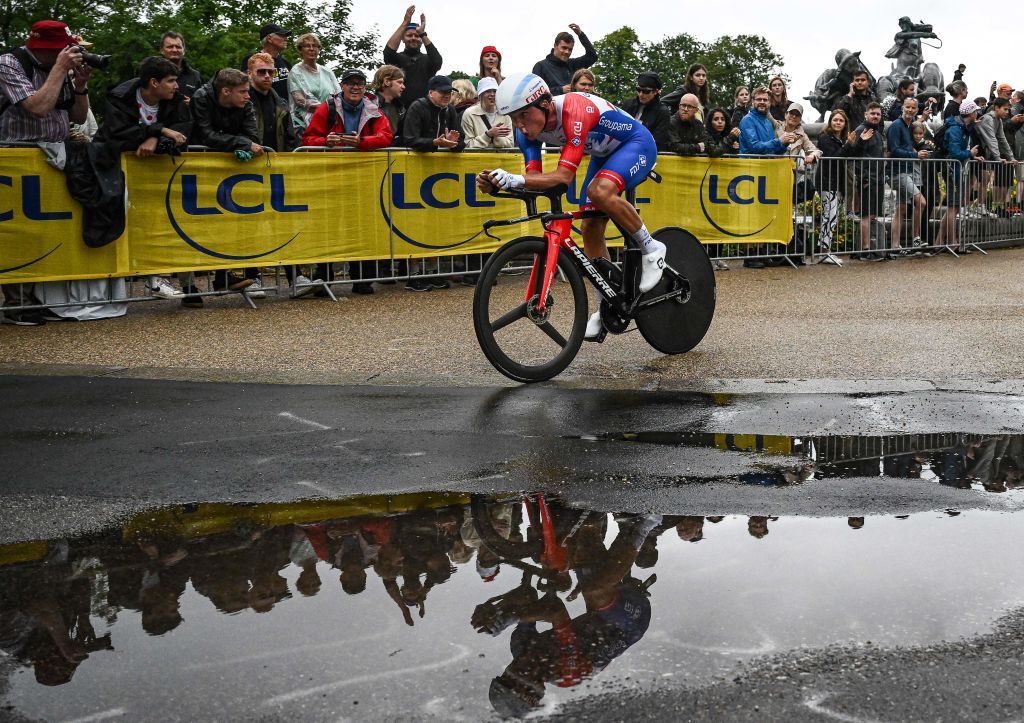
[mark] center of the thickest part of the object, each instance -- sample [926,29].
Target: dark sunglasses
[643,89]
[265,71]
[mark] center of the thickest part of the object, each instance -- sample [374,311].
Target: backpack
[941,146]
[27,64]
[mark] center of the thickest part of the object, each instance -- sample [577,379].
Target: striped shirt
[17,124]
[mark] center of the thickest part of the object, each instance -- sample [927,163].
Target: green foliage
[618,64]
[218,33]
[731,61]
[672,56]
[738,60]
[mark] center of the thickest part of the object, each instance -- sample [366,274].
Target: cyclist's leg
[594,244]
[624,169]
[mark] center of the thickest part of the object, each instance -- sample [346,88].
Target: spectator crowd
[270,103]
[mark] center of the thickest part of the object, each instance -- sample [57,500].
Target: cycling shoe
[653,265]
[595,328]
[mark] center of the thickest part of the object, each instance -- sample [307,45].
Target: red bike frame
[557,233]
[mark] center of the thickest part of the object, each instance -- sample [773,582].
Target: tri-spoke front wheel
[524,341]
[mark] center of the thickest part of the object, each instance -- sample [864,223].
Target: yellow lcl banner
[208,211]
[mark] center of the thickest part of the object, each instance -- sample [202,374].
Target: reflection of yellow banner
[207,210]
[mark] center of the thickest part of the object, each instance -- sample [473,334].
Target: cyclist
[622,151]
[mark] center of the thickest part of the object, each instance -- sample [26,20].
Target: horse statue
[834,83]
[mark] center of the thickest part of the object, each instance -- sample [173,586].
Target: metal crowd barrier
[885,208]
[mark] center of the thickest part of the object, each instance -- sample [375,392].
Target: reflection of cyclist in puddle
[618,613]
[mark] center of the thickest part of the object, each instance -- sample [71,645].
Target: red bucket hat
[50,35]
[490,49]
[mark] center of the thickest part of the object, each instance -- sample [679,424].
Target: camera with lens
[100,62]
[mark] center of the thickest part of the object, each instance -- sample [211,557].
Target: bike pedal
[597,339]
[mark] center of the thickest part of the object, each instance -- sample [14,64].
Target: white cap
[487,83]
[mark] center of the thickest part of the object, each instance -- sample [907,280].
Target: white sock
[647,243]
[597,299]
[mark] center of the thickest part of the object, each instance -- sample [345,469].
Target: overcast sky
[806,34]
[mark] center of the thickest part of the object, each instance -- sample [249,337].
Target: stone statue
[834,83]
[907,50]
[908,54]
[931,85]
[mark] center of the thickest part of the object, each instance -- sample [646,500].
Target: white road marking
[300,420]
[463,652]
[826,426]
[483,479]
[766,646]
[104,715]
[441,708]
[814,703]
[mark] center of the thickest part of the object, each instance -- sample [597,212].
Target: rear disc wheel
[677,325]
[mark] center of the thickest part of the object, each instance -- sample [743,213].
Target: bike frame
[557,234]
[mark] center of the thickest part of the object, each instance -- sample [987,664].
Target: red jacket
[374,129]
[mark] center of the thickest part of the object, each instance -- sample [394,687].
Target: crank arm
[656,300]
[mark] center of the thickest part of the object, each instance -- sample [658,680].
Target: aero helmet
[520,90]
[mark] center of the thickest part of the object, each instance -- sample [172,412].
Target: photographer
[43,89]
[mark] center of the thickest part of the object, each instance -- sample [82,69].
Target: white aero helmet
[520,90]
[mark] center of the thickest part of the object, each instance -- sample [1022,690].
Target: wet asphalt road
[79,451]
[80,454]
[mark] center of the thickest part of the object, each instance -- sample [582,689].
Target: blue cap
[440,82]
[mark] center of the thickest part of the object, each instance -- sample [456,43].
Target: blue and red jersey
[586,124]
[622,149]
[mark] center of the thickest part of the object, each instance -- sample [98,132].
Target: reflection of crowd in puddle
[44,618]
[996,464]
[562,556]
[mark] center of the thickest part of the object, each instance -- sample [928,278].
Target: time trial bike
[530,307]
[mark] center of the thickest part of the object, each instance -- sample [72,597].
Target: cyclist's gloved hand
[507,181]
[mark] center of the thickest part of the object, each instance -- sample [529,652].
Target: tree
[740,60]
[672,56]
[618,63]
[731,61]
[218,33]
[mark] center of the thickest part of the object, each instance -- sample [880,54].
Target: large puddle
[442,605]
